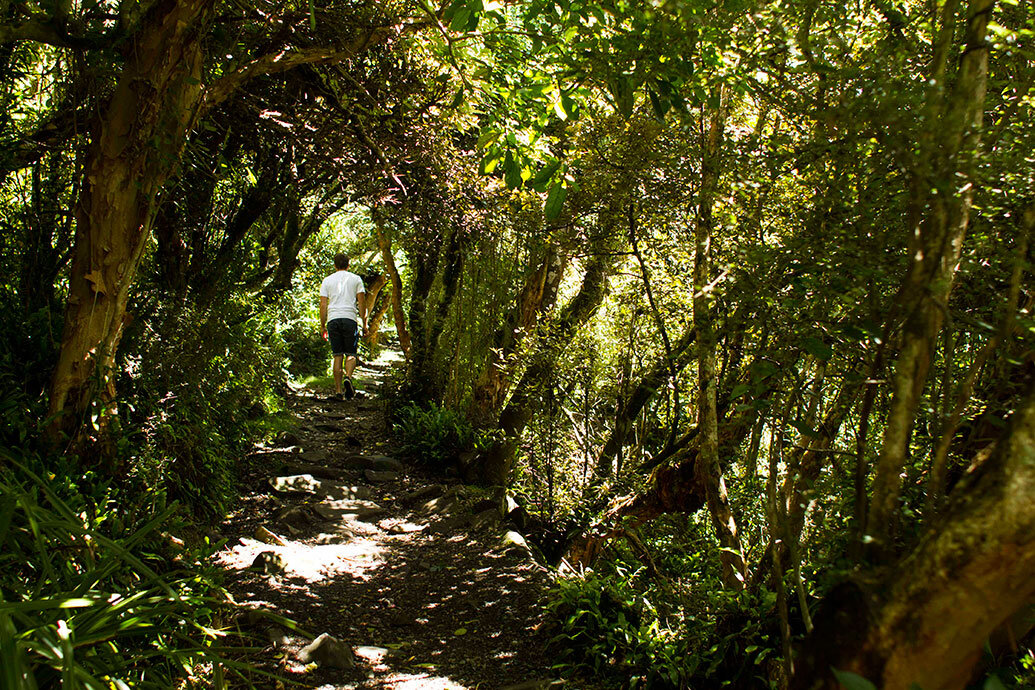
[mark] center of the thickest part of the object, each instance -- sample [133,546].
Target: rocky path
[396,579]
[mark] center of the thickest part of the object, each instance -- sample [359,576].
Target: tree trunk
[432,378]
[384,243]
[377,314]
[953,138]
[969,575]
[708,468]
[676,486]
[137,141]
[495,464]
[45,236]
[424,262]
[809,460]
[629,408]
[536,298]
[940,454]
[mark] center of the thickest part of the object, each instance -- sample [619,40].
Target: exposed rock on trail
[371,556]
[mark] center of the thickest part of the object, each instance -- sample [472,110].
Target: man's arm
[361,305]
[323,316]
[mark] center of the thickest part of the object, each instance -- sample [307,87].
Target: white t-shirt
[340,289]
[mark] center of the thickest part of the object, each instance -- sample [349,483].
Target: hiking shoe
[350,390]
[335,397]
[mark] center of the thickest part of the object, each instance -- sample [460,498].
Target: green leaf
[489,162]
[739,391]
[569,105]
[660,105]
[852,681]
[817,348]
[511,171]
[558,107]
[555,200]
[993,683]
[545,174]
[762,370]
[805,430]
[460,631]
[622,90]
[460,20]
[488,138]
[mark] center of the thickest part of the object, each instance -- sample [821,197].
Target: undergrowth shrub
[201,385]
[305,352]
[603,625]
[435,435]
[641,630]
[93,593]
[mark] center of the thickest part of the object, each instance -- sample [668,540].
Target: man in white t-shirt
[342,304]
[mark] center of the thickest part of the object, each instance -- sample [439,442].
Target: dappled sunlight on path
[310,562]
[346,540]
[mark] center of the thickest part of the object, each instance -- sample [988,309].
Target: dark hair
[341,262]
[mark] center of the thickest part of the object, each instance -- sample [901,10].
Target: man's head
[341,262]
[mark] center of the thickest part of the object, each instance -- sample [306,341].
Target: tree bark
[708,468]
[536,298]
[969,575]
[676,486]
[424,261]
[940,454]
[954,139]
[630,408]
[136,146]
[384,243]
[494,465]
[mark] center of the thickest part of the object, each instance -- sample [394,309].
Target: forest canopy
[734,298]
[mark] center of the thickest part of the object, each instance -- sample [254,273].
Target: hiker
[342,304]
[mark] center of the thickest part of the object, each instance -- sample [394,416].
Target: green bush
[612,624]
[93,593]
[200,384]
[306,352]
[604,626]
[434,435]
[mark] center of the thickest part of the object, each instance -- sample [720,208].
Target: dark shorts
[344,336]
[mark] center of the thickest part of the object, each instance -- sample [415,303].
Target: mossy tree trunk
[384,244]
[537,296]
[942,191]
[494,465]
[929,622]
[708,468]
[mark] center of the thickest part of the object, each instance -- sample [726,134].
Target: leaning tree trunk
[384,243]
[677,485]
[969,575]
[949,147]
[494,465]
[427,356]
[630,407]
[537,296]
[137,141]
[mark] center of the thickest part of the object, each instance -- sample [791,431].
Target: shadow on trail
[423,603]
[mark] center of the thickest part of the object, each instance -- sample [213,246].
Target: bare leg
[350,365]
[337,372]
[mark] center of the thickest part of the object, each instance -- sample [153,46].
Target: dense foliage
[735,298]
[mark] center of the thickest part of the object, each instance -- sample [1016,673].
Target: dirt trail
[383,557]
